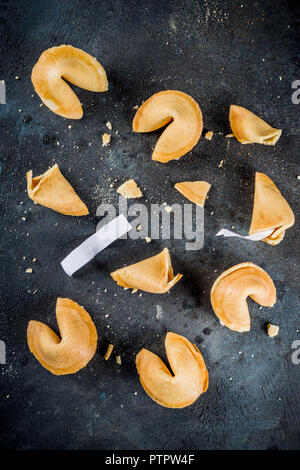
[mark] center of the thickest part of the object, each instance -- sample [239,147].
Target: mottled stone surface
[220,52]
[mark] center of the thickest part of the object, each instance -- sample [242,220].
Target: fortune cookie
[248,128]
[270,210]
[153,274]
[78,340]
[183,116]
[230,291]
[68,63]
[51,189]
[189,377]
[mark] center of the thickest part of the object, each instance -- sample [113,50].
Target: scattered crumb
[135,107]
[69,126]
[109,351]
[17,78]
[34,260]
[221,164]
[209,135]
[298,177]
[168,208]
[28,270]
[130,189]
[139,227]
[229,136]
[106,139]
[148,239]
[134,291]
[118,360]
[272,330]
[109,125]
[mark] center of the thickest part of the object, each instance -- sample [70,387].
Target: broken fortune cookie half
[194,191]
[248,128]
[78,340]
[154,275]
[230,291]
[183,116]
[270,210]
[52,190]
[58,64]
[189,377]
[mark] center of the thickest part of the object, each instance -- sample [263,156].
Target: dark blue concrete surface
[220,52]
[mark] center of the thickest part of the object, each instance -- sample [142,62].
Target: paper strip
[254,237]
[96,243]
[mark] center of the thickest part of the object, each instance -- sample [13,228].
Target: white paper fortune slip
[96,243]
[255,237]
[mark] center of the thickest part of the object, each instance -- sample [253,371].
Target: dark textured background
[220,52]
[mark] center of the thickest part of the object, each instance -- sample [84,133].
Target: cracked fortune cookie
[270,210]
[153,274]
[52,190]
[248,128]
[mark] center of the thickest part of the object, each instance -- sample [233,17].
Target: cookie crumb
[106,139]
[208,135]
[109,125]
[148,239]
[272,330]
[118,360]
[109,351]
[28,270]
